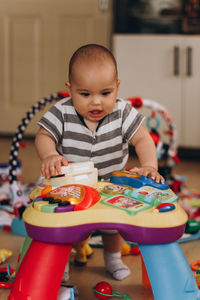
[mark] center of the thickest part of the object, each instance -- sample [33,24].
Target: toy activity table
[140,209]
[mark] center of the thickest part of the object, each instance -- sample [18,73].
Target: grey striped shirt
[107,147]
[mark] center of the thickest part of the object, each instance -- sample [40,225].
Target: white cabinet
[164,68]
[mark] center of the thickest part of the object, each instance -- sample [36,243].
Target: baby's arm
[51,160]
[146,152]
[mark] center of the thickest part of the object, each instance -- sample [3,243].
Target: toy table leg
[40,273]
[169,272]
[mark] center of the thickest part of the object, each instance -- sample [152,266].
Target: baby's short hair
[93,52]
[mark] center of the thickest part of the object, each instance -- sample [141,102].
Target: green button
[49,208]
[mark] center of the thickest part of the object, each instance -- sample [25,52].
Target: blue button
[167,208]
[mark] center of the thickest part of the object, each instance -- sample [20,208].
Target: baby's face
[93,89]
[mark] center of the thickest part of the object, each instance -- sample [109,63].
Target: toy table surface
[136,220]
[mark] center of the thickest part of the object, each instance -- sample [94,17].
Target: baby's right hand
[51,165]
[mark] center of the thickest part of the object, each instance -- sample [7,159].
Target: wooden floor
[86,277]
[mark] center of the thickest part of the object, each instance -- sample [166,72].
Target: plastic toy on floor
[68,214]
[4,255]
[192,226]
[83,252]
[15,194]
[103,290]
[189,199]
[195,266]
[68,293]
[127,249]
[6,277]
[197,276]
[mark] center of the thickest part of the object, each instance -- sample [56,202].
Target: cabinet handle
[103,5]
[176,61]
[189,61]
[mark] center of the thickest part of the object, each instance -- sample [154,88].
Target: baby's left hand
[149,172]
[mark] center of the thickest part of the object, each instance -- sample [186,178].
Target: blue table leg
[169,272]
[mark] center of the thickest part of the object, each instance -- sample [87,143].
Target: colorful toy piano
[140,209]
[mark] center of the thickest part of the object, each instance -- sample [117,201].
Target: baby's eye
[106,93]
[85,94]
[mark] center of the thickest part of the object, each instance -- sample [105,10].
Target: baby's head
[91,55]
[93,81]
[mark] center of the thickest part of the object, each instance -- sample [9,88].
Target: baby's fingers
[58,166]
[45,171]
[159,179]
[52,169]
[136,170]
[151,174]
[42,169]
[49,169]
[64,161]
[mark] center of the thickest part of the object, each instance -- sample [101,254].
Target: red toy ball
[104,288]
[135,250]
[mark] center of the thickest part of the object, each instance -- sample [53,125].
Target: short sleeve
[52,121]
[131,120]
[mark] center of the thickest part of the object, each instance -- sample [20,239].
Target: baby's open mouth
[96,113]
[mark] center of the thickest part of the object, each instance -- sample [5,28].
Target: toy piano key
[79,195]
[72,193]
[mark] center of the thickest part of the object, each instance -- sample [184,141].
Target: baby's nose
[96,100]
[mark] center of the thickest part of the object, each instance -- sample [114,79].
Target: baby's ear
[68,86]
